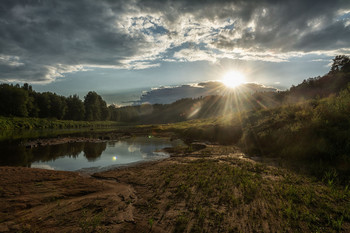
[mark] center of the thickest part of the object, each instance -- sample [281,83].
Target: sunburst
[233,79]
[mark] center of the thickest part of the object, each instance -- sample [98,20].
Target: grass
[216,191]
[90,222]
[10,123]
[211,129]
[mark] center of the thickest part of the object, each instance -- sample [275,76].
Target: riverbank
[11,123]
[198,189]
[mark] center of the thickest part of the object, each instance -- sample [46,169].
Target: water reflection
[92,151]
[13,135]
[74,156]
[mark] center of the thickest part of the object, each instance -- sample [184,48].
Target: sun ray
[233,79]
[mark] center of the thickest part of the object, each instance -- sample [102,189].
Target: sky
[124,48]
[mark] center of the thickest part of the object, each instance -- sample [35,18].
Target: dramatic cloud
[41,40]
[167,95]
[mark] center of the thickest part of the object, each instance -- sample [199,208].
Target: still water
[89,156]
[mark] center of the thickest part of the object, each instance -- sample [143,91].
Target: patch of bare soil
[37,200]
[209,189]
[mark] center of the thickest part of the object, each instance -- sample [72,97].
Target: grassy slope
[315,131]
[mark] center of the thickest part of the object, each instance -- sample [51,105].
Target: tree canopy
[24,102]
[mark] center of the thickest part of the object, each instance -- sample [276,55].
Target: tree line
[23,101]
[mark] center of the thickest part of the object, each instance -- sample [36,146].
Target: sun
[233,79]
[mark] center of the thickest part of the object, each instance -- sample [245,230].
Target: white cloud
[43,40]
[10,60]
[194,55]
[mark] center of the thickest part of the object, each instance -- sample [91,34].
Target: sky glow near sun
[233,79]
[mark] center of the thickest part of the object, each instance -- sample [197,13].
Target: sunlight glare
[233,79]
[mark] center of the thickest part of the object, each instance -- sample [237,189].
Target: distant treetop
[340,63]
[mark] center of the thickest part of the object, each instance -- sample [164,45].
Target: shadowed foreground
[209,190]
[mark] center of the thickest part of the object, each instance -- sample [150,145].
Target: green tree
[75,108]
[104,109]
[340,63]
[43,102]
[27,87]
[13,101]
[95,107]
[32,108]
[113,113]
[92,109]
[58,106]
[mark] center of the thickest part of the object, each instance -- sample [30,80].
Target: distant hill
[167,95]
[213,99]
[187,108]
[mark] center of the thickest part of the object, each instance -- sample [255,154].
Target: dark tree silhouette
[95,107]
[340,63]
[58,106]
[75,108]
[44,104]
[13,101]
[24,102]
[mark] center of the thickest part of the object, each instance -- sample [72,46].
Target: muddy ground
[198,189]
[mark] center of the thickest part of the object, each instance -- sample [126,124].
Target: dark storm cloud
[41,40]
[333,37]
[48,38]
[279,25]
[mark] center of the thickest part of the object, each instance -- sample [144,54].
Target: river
[85,156]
